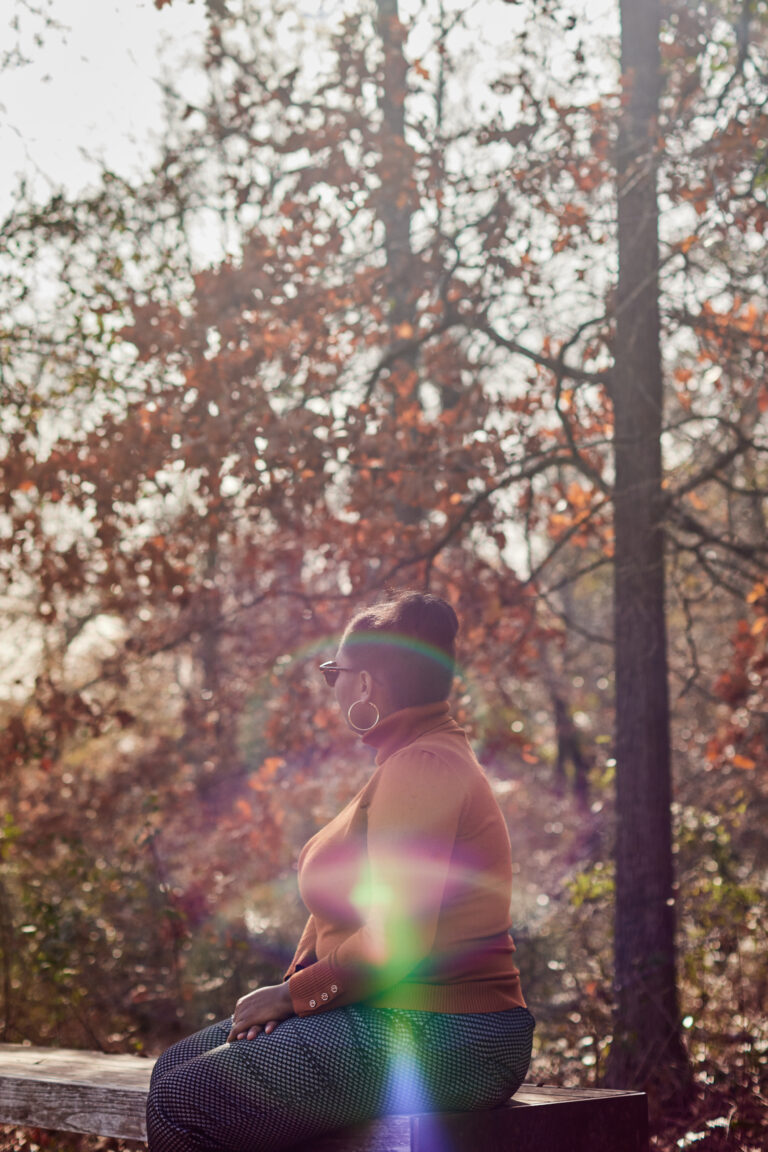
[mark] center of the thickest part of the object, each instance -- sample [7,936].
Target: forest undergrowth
[562,914]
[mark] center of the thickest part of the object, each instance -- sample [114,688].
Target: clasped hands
[260,1011]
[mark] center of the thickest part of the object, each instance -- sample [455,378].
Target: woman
[402,995]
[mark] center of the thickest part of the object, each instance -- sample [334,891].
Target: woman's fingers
[260,1011]
[252,1032]
[237,1032]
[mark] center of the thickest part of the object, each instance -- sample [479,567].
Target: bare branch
[563,540]
[554,364]
[429,554]
[710,470]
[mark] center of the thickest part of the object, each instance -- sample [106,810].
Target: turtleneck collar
[402,727]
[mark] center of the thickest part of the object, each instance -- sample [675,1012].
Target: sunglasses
[330,669]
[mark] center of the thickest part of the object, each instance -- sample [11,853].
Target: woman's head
[407,647]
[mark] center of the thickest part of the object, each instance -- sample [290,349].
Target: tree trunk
[396,169]
[647,1049]
[6,958]
[396,205]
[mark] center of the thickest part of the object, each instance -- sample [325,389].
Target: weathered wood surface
[106,1095]
[541,1120]
[74,1091]
[536,1120]
[390,1134]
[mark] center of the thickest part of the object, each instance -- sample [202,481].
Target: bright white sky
[90,86]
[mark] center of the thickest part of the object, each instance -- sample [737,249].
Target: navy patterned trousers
[317,1073]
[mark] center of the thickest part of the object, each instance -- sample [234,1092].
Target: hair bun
[429,617]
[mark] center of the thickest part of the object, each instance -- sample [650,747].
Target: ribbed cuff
[316,988]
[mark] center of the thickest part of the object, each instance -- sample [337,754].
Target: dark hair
[409,641]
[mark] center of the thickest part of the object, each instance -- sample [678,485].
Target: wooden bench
[104,1095]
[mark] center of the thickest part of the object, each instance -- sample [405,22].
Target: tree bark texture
[646,1046]
[398,188]
[396,204]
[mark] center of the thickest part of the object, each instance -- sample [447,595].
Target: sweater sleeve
[305,949]
[412,825]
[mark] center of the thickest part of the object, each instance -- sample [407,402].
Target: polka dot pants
[317,1073]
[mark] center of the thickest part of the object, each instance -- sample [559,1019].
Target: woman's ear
[376,691]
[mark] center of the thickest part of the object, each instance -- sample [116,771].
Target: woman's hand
[261,1011]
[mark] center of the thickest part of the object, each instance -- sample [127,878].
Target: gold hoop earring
[357,727]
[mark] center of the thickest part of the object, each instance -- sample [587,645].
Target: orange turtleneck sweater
[408,888]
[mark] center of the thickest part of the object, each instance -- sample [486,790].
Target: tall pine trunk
[647,1049]
[396,169]
[396,206]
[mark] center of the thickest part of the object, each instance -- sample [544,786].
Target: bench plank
[563,1120]
[390,1134]
[105,1095]
[74,1091]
